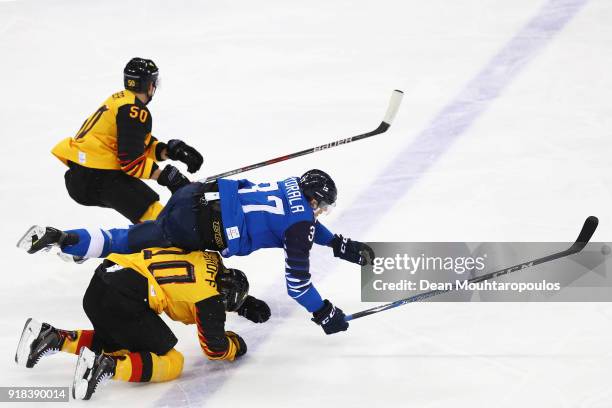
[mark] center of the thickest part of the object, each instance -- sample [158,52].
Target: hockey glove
[181,151]
[238,342]
[255,310]
[330,318]
[352,251]
[172,178]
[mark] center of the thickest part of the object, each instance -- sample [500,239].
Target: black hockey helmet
[139,73]
[233,285]
[319,185]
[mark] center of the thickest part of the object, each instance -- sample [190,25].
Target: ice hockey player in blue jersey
[234,217]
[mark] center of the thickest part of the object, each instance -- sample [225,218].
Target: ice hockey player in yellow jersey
[114,149]
[129,340]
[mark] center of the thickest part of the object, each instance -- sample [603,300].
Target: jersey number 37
[276,206]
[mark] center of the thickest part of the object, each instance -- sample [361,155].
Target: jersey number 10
[90,122]
[184,272]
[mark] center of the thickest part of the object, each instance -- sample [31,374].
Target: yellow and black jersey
[115,137]
[182,284]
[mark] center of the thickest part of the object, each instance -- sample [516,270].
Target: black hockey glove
[352,251]
[181,151]
[255,310]
[172,178]
[238,342]
[330,318]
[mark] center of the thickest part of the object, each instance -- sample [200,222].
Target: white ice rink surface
[504,135]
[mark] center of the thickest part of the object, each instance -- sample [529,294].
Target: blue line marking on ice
[412,162]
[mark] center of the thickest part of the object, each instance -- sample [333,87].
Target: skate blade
[31,330]
[25,242]
[83,369]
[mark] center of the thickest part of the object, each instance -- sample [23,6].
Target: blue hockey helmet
[318,185]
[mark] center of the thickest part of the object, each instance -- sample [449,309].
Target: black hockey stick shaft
[583,238]
[394,103]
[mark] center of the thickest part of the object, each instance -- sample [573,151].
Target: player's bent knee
[152,212]
[167,367]
[176,363]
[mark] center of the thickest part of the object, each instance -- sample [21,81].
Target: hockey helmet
[318,185]
[233,286]
[139,73]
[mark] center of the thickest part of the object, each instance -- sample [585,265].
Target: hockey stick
[394,103]
[583,238]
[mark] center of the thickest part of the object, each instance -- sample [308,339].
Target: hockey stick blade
[392,108]
[589,227]
[394,104]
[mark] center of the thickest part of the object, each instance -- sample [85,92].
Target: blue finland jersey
[257,215]
[274,215]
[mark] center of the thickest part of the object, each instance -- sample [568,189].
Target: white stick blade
[394,104]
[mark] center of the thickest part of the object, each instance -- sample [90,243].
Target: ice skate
[39,238]
[37,340]
[91,372]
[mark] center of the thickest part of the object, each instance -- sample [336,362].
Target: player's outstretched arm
[217,343]
[298,242]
